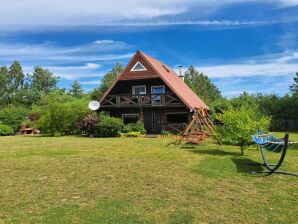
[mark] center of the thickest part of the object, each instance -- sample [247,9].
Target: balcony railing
[147,100]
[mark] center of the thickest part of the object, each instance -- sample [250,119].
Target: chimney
[181,76]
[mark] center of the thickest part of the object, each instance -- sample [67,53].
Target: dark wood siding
[125,87]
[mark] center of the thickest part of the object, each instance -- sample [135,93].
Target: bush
[59,113]
[239,124]
[87,125]
[108,127]
[135,127]
[13,116]
[6,130]
[133,134]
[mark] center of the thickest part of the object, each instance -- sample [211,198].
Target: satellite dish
[94,105]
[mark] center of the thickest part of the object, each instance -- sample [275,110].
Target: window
[156,92]
[138,67]
[130,118]
[138,90]
[177,118]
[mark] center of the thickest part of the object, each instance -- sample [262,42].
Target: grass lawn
[128,180]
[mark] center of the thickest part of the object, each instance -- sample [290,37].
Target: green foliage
[6,130]
[294,86]
[43,80]
[19,89]
[76,90]
[13,116]
[108,127]
[59,113]
[135,127]
[202,85]
[107,81]
[133,134]
[239,124]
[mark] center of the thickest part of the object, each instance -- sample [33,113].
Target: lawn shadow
[216,152]
[245,165]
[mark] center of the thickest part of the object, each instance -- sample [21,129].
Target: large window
[155,94]
[130,118]
[177,118]
[138,90]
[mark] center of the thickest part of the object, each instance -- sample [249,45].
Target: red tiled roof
[186,95]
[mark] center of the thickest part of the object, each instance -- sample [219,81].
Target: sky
[241,45]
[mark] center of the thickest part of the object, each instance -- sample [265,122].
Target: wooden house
[151,91]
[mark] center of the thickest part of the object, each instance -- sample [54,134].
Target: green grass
[139,180]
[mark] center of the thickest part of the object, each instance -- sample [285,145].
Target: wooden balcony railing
[148,100]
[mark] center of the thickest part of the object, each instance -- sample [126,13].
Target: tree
[238,124]
[58,113]
[202,85]
[15,77]
[294,87]
[76,90]
[3,85]
[43,81]
[107,81]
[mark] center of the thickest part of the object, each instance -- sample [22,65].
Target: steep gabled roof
[185,94]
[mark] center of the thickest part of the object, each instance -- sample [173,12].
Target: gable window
[130,118]
[139,90]
[138,67]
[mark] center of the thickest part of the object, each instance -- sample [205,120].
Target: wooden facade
[143,94]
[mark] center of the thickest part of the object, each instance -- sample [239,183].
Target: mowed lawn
[139,180]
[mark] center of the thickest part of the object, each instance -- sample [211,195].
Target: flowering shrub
[87,125]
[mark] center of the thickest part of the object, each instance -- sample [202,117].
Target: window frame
[131,114]
[138,70]
[133,91]
[164,88]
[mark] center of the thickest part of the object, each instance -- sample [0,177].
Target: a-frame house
[149,90]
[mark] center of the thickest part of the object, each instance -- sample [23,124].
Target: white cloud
[116,12]
[242,70]
[281,64]
[52,53]
[67,62]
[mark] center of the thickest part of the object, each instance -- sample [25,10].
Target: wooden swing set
[200,127]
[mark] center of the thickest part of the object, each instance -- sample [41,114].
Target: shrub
[87,125]
[13,116]
[108,127]
[6,130]
[59,113]
[135,127]
[133,134]
[239,124]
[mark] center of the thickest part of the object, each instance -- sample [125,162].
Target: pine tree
[294,87]
[202,85]
[76,90]
[107,81]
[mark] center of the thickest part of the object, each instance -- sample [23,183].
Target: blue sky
[242,45]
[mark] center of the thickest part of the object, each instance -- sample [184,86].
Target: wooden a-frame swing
[200,127]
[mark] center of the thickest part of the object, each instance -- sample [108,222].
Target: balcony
[147,100]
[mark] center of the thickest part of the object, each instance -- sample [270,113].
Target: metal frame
[268,166]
